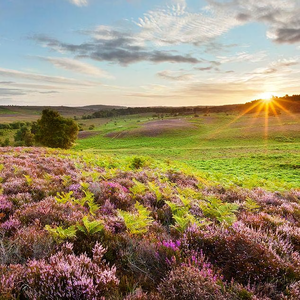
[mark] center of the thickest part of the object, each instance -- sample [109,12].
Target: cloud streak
[76,66]
[244,57]
[43,78]
[175,76]
[79,2]
[6,92]
[114,46]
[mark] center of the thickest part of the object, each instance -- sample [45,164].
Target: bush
[67,276]
[185,282]
[244,254]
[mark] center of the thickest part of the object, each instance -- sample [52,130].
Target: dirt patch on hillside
[154,128]
[86,134]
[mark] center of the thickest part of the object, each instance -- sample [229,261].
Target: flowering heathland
[82,226]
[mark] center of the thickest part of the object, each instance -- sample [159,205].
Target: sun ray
[234,120]
[275,113]
[266,121]
[258,111]
[284,109]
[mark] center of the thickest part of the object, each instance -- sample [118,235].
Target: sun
[267,96]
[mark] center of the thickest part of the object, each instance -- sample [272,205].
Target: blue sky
[143,53]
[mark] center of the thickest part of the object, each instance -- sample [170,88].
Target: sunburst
[268,104]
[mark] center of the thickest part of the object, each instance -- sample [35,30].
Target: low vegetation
[86,226]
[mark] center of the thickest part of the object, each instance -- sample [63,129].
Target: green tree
[25,136]
[6,142]
[55,131]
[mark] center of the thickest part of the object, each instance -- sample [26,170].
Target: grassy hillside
[244,150]
[85,226]
[9,114]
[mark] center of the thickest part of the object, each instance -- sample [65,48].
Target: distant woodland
[278,104]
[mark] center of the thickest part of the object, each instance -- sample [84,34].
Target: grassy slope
[223,147]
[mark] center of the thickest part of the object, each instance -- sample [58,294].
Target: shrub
[243,254]
[186,282]
[10,281]
[294,291]
[138,294]
[117,194]
[67,276]
[29,243]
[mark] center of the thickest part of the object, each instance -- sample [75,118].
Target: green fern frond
[167,192]
[29,180]
[223,212]
[48,177]
[90,200]
[137,223]
[186,202]
[84,186]
[67,180]
[90,227]
[138,188]
[60,234]
[156,190]
[251,205]
[64,197]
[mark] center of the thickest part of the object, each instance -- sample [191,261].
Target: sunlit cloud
[244,57]
[176,25]
[77,66]
[79,2]
[7,73]
[281,17]
[175,76]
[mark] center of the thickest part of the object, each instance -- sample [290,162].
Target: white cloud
[42,78]
[243,57]
[175,76]
[279,68]
[282,17]
[175,25]
[79,2]
[77,66]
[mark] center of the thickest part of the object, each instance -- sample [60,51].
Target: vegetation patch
[84,226]
[154,128]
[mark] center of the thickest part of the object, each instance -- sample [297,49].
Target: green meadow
[248,151]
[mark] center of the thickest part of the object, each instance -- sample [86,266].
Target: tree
[6,142]
[24,136]
[55,131]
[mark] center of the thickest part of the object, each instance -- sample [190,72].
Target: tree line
[290,103]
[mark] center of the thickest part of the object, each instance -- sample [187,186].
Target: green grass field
[227,148]
[249,151]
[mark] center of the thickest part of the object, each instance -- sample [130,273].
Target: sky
[147,52]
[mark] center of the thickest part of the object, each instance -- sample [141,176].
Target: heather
[75,225]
